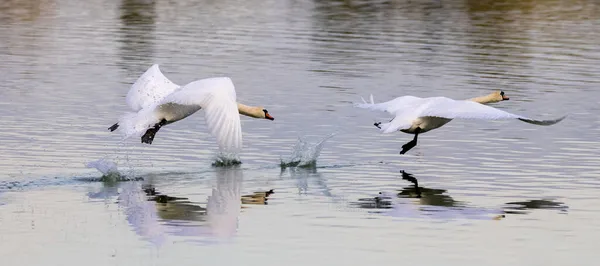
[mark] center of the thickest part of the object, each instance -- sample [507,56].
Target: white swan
[414,115]
[156,102]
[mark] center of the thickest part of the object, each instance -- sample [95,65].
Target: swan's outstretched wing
[464,109]
[218,99]
[149,89]
[393,106]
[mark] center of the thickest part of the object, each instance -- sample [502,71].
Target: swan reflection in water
[525,207]
[156,217]
[422,202]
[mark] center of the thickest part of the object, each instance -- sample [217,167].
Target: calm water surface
[66,66]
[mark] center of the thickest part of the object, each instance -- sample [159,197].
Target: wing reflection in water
[225,203]
[156,217]
[141,213]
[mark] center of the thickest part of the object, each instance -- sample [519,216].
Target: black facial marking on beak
[267,115]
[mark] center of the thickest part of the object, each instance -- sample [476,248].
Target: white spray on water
[109,170]
[305,154]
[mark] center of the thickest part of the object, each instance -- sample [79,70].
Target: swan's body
[157,102]
[416,115]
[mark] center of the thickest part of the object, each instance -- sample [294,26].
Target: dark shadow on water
[423,196]
[137,35]
[436,203]
[174,209]
[12,11]
[378,202]
[354,38]
[525,207]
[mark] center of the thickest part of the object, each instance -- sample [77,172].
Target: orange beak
[505,98]
[268,116]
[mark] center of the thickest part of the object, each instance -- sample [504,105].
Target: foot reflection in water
[156,216]
[422,202]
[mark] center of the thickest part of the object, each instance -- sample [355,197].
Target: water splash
[104,166]
[305,154]
[225,160]
[109,170]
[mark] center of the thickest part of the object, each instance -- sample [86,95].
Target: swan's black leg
[411,144]
[113,127]
[148,137]
[412,179]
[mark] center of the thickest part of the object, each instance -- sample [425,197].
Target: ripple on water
[305,61]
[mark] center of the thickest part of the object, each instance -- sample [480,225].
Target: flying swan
[414,115]
[157,101]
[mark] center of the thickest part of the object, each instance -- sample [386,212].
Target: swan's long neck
[249,110]
[490,98]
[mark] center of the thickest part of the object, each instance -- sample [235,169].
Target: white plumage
[216,96]
[416,115]
[149,89]
[157,101]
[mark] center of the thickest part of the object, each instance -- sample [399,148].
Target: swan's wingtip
[561,119]
[155,66]
[543,122]
[554,121]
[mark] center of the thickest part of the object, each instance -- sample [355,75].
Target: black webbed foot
[377,125]
[113,127]
[406,147]
[148,137]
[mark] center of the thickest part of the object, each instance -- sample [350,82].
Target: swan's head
[266,114]
[493,97]
[254,111]
[501,96]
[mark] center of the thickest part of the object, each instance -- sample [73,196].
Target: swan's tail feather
[365,104]
[135,124]
[542,122]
